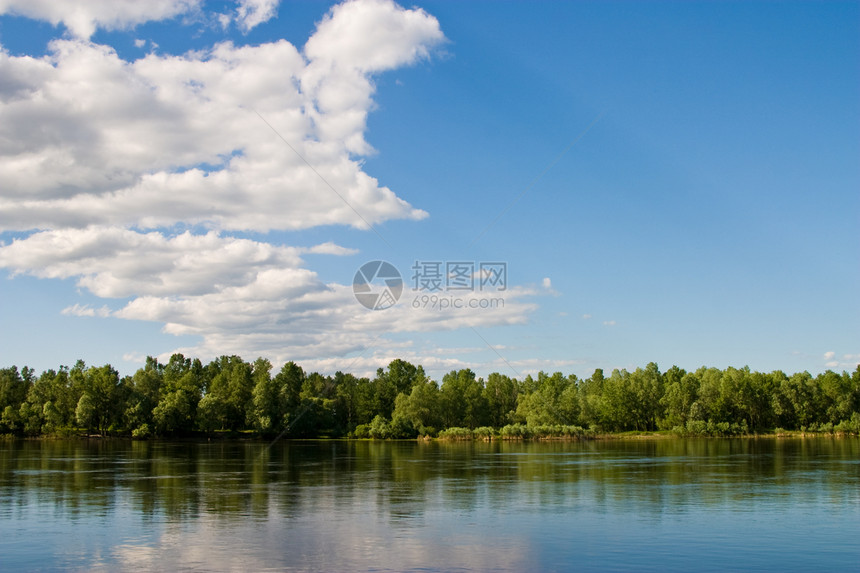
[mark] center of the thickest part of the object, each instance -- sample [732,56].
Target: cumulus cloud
[533,366]
[114,262]
[291,315]
[87,138]
[251,13]
[250,297]
[82,18]
[354,41]
[846,361]
[86,310]
[329,248]
[101,157]
[437,362]
[134,357]
[371,36]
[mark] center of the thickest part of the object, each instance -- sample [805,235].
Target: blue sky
[669,182]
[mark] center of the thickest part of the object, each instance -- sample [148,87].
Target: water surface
[647,505]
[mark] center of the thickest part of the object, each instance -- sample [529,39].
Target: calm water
[787,505]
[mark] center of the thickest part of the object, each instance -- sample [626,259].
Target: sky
[560,186]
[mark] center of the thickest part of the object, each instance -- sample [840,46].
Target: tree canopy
[185,396]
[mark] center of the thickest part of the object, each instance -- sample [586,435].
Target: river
[603,505]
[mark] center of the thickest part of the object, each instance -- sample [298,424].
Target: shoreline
[660,435]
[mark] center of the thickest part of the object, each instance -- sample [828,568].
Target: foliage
[142,432]
[560,431]
[554,400]
[402,402]
[515,432]
[462,400]
[851,426]
[711,428]
[100,405]
[485,433]
[379,428]
[500,394]
[455,433]
[421,407]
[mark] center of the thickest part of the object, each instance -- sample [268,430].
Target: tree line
[229,395]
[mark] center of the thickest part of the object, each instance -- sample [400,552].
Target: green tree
[591,399]
[102,402]
[836,397]
[144,394]
[854,390]
[50,404]
[420,408]
[757,400]
[397,379]
[794,401]
[228,395]
[709,405]
[681,390]
[500,394]
[618,402]
[267,413]
[317,407]
[289,382]
[354,401]
[646,385]
[462,400]
[14,387]
[180,394]
[553,402]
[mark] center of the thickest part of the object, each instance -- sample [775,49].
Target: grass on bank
[381,429]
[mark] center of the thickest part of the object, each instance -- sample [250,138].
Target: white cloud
[86,310]
[113,262]
[329,248]
[436,361]
[139,43]
[87,138]
[238,295]
[846,361]
[288,315]
[533,366]
[586,317]
[608,323]
[134,357]
[371,36]
[546,283]
[251,13]
[355,40]
[102,155]
[83,17]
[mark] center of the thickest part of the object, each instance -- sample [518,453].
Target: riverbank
[459,436]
